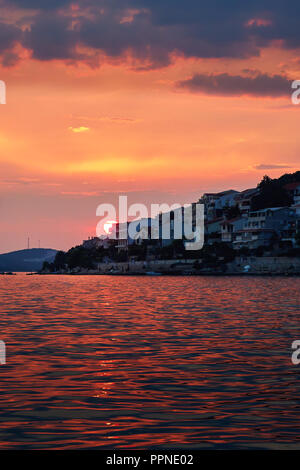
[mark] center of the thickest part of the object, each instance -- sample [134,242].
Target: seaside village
[252,231]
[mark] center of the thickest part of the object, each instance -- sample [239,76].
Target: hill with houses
[259,221]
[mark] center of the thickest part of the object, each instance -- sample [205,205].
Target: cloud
[271,166]
[151,32]
[10,35]
[51,37]
[237,85]
[80,193]
[106,118]
[79,130]
[119,120]
[20,181]
[40,4]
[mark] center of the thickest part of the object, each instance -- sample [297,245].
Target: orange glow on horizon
[75,135]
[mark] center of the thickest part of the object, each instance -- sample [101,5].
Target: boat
[152,273]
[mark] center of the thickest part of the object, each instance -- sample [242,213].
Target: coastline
[216,274]
[247,266]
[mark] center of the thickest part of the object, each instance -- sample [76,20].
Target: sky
[160,100]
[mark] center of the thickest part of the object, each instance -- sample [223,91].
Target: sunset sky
[158,99]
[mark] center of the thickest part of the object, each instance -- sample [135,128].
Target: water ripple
[133,362]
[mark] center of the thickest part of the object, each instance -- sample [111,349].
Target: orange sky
[72,136]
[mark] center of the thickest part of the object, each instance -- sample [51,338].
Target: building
[230,227]
[244,200]
[226,199]
[96,242]
[215,203]
[212,230]
[264,226]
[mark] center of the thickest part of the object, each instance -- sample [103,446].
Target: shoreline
[240,266]
[159,274]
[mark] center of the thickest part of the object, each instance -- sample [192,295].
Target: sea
[149,362]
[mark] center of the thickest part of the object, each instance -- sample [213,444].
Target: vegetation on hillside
[272,192]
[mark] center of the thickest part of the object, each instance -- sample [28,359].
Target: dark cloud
[270,166]
[51,37]
[146,41]
[9,36]
[151,31]
[9,59]
[116,39]
[40,4]
[237,85]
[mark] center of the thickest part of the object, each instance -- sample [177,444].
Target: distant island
[26,260]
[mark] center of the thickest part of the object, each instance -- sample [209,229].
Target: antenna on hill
[28,243]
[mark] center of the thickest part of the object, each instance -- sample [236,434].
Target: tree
[80,257]
[60,260]
[48,267]
[271,194]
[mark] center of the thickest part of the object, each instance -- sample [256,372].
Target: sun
[108,226]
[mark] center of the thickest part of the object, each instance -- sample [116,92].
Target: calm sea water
[149,362]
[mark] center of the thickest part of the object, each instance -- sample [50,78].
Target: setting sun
[108,226]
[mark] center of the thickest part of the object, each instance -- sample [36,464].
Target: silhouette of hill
[287,178]
[26,260]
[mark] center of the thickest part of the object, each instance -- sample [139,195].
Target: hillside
[26,260]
